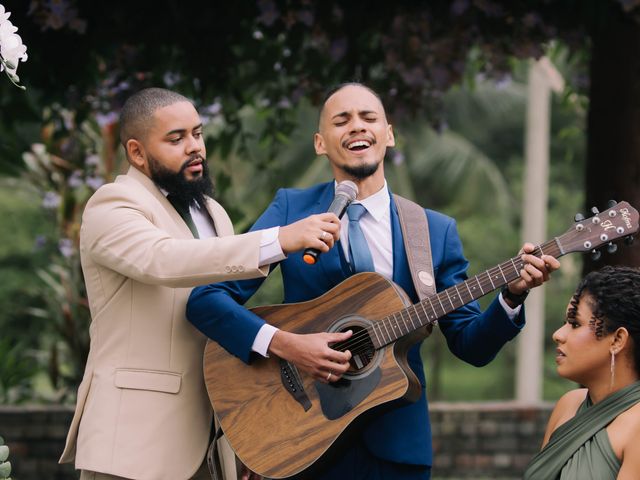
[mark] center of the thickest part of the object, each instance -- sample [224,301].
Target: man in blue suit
[354,134]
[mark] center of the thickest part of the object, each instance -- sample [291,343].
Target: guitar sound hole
[362,353]
[364,356]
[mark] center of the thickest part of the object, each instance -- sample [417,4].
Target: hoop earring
[613,370]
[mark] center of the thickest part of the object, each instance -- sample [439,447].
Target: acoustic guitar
[280,421]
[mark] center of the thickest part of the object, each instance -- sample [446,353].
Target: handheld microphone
[346,192]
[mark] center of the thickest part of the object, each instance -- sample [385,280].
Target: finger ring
[324,234]
[329,377]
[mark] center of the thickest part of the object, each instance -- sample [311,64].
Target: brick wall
[35,436]
[472,440]
[485,440]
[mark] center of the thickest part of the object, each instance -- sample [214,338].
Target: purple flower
[51,200]
[106,119]
[397,157]
[39,242]
[338,49]
[94,182]
[284,103]
[269,13]
[306,17]
[92,160]
[212,110]
[458,7]
[65,245]
[171,78]
[75,179]
[503,82]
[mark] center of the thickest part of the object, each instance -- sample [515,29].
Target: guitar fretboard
[428,311]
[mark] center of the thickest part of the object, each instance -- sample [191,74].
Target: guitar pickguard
[339,398]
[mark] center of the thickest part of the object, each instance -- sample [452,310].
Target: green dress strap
[584,428]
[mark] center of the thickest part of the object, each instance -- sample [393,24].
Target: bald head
[137,113]
[331,92]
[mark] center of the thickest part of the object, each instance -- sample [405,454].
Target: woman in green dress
[594,432]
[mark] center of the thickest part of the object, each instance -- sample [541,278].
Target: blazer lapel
[152,189]
[221,222]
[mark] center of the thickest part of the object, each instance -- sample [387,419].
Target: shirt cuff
[263,339]
[512,313]
[270,249]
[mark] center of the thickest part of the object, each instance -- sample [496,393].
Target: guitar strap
[415,234]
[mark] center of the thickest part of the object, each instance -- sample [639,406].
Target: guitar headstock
[619,221]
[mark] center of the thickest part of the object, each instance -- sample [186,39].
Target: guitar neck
[428,311]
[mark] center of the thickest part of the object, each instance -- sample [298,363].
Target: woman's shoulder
[564,410]
[624,431]
[570,401]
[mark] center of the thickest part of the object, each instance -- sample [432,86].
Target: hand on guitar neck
[535,272]
[312,353]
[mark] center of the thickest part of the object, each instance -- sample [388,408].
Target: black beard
[361,171]
[176,184]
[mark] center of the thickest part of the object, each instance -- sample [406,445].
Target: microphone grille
[348,189]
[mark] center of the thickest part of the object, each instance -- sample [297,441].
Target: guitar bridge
[293,384]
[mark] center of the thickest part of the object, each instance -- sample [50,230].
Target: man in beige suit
[142,410]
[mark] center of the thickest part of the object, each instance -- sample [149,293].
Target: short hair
[614,292]
[138,110]
[336,88]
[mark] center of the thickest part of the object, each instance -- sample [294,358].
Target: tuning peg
[611,203]
[612,248]
[579,217]
[595,255]
[595,210]
[629,240]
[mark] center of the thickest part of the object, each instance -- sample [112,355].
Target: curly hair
[614,293]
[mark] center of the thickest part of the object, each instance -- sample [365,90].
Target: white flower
[12,49]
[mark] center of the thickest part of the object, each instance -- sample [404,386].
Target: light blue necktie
[359,252]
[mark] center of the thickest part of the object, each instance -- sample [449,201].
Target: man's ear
[318,143]
[391,139]
[136,154]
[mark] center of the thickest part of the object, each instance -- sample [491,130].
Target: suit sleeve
[119,233]
[473,336]
[217,309]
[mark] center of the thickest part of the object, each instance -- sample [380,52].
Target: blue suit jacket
[403,434]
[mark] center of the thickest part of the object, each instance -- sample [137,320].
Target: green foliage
[21,253]
[490,119]
[269,55]
[16,371]
[74,159]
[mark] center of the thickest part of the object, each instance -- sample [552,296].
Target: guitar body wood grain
[269,430]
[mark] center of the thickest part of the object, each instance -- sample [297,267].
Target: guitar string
[364,335]
[361,341]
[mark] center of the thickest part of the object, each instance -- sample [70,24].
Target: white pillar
[542,78]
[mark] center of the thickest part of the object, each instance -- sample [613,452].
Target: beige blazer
[142,409]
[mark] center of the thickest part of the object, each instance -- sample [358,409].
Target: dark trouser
[357,463]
